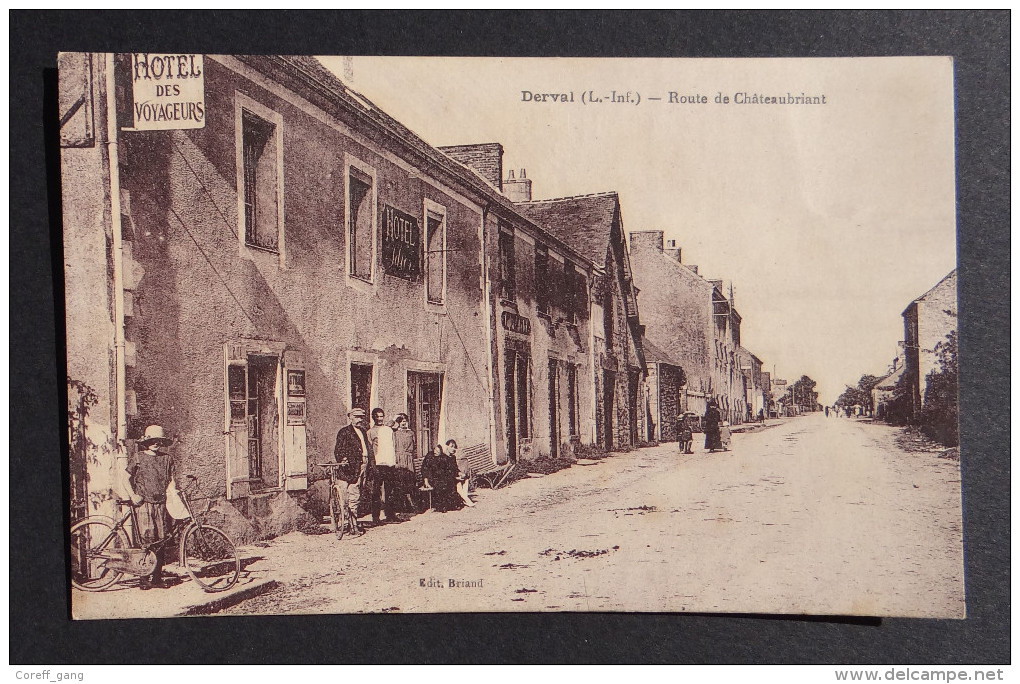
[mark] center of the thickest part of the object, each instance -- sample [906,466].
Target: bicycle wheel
[94,541]
[336,512]
[210,557]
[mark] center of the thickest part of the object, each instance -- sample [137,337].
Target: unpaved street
[815,516]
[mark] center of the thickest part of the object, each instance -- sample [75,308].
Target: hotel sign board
[169,91]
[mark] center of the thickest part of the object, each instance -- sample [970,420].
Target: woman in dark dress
[711,423]
[439,471]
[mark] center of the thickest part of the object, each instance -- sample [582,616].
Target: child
[686,435]
[725,435]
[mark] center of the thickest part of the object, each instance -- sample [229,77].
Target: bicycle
[103,550]
[339,505]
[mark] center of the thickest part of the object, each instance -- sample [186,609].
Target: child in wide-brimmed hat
[149,474]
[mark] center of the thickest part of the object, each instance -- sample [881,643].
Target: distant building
[882,393]
[676,309]
[593,226]
[926,322]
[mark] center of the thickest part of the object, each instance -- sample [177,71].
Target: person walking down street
[725,435]
[403,449]
[150,472]
[710,423]
[380,436]
[354,454]
[686,434]
[439,471]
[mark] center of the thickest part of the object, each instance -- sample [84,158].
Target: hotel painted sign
[169,91]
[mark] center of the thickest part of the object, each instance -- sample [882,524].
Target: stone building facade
[593,226]
[926,322]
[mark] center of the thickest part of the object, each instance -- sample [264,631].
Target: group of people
[376,471]
[717,430]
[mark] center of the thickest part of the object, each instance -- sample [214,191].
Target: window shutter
[236,424]
[295,455]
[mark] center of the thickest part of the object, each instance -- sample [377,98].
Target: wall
[89,297]
[937,317]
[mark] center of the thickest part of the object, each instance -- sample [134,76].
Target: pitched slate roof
[655,354]
[583,222]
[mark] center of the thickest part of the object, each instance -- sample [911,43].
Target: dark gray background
[41,631]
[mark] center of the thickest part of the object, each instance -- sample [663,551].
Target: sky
[828,220]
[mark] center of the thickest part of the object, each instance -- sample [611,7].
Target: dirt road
[814,516]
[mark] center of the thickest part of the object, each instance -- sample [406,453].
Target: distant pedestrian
[761,416]
[710,423]
[826,411]
[686,434]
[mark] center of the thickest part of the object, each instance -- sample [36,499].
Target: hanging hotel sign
[401,244]
[169,91]
[516,323]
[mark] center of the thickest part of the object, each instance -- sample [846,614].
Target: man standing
[354,454]
[380,436]
[149,474]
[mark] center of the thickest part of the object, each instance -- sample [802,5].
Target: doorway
[518,402]
[554,408]
[361,387]
[424,397]
[608,408]
[263,415]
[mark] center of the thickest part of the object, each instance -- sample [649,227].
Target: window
[542,284]
[361,387]
[435,253]
[507,270]
[260,181]
[609,316]
[360,223]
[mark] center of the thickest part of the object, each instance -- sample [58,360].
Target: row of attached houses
[247,282]
[692,340]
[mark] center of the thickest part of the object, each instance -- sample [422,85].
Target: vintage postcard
[361,334]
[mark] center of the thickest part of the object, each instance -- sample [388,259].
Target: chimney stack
[517,190]
[672,251]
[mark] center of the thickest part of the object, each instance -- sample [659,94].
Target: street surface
[813,516]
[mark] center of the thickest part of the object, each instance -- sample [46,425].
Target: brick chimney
[517,189]
[672,251]
[484,158]
[646,239]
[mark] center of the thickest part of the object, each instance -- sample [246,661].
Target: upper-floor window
[360,220]
[609,316]
[542,284]
[259,175]
[575,293]
[435,253]
[507,268]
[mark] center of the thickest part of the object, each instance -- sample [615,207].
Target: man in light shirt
[384,491]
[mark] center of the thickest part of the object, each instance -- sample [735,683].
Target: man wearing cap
[354,454]
[149,474]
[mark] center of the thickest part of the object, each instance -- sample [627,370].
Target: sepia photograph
[362,334]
